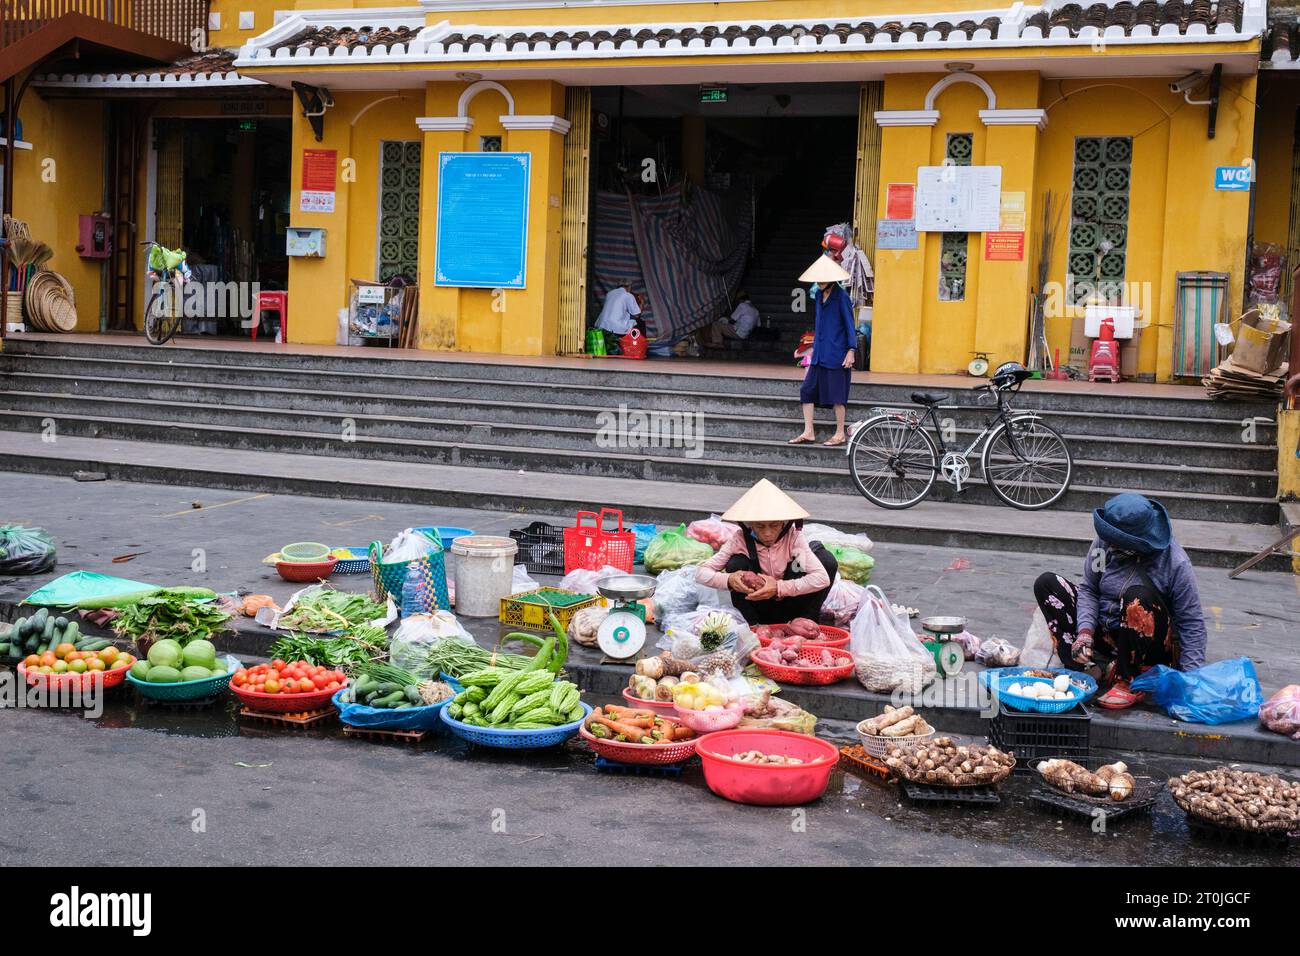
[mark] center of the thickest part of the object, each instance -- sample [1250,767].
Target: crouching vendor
[1136,606]
[774,575]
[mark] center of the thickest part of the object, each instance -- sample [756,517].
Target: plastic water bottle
[415,592]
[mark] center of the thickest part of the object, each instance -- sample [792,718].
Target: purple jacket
[1170,571]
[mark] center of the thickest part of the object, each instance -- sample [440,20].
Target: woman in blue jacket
[835,339]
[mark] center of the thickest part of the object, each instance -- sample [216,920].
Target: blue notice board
[482,232]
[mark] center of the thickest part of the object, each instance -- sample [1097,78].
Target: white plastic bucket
[484,573]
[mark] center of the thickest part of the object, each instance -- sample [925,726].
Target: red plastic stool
[277,302]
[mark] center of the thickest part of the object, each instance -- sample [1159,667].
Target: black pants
[782,610]
[1142,640]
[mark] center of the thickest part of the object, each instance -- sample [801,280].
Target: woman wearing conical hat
[835,339]
[795,574]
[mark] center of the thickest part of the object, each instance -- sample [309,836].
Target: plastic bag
[841,603]
[521,581]
[677,592]
[970,644]
[842,539]
[886,653]
[712,531]
[689,637]
[583,581]
[26,550]
[1039,647]
[1281,712]
[644,534]
[855,564]
[386,718]
[673,549]
[409,648]
[1217,693]
[996,652]
[410,545]
[584,626]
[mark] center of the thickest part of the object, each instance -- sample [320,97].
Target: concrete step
[35,393]
[374,438]
[1211,544]
[772,394]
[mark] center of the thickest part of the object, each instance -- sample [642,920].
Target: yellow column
[318,287]
[900,274]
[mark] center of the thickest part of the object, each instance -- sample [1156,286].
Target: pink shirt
[773,561]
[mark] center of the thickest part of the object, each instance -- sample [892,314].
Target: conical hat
[825,269]
[765,502]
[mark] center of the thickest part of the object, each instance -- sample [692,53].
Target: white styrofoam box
[1124,316]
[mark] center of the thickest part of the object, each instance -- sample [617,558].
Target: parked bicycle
[895,462]
[165,299]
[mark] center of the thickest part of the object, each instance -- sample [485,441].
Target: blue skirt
[825,387]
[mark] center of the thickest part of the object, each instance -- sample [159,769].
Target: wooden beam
[37,45]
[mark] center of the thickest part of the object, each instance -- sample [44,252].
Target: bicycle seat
[929,398]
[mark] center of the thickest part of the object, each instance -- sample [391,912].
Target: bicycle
[894,461]
[165,306]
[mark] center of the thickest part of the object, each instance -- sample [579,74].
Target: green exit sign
[248,125]
[713,94]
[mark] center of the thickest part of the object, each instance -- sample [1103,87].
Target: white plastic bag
[677,592]
[886,653]
[410,546]
[583,581]
[1039,647]
[409,648]
[828,535]
[521,582]
[996,652]
[842,603]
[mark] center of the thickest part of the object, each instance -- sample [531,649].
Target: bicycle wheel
[1027,464]
[894,464]
[162,315]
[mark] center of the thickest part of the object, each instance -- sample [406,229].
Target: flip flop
[832,443]
[1120,697]
[800,440]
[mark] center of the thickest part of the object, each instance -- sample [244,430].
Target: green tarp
[87,588]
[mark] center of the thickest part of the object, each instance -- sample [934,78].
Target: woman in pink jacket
[795,574]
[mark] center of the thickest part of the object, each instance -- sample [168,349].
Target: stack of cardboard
[1256,369]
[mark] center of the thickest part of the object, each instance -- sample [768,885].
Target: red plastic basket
[589,547]
[299,573]
[283,703]
[640,753]
[664,708]
[831,636]
[767,784]
[111,678]
[787,674]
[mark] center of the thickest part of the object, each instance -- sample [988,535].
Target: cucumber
[413,694]
[47,631]
[387,688]
[4,649]
[20,627]
[60,622]
[72,632]
[42,648]
[405,705]
[31,644]
[41,616]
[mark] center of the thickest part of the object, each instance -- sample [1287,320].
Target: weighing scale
[622,633]
[949,656]
[979,365]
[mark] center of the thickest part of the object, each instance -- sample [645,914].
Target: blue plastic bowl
[187,689]
[515,739]
[384,718]
[445,535]
[1001,678]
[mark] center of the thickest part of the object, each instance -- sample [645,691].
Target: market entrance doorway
[697,194]
[222,194]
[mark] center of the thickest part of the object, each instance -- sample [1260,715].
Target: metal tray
[943,624]
[626,587]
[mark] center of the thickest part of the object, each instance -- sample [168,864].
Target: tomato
[272,686]
[109,654]
[240,679]
[319,681]
[333,685]
[31,660]
[278,664]
[306,686]
[64,649]
[78,666]
[95,664]
[48,659]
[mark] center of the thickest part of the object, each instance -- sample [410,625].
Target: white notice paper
[958,198]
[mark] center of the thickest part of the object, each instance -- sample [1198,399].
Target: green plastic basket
[304,552]
[190,689]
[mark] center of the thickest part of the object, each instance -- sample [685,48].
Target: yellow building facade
[1026,90]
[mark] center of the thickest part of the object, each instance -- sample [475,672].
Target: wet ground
[445,799]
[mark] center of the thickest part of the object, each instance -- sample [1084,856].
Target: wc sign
[1233,178]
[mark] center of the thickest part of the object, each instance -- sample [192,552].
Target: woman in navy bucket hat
[1137,605]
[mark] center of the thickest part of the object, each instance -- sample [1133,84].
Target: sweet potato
[805,628]
[751,580]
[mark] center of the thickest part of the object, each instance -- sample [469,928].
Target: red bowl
[831,637]
[306,573]
[111,678]
[767,784]
[640,753]
[665,708]
[794,674]
[284,703]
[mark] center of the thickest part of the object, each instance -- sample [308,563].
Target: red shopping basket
[589,547]
[634,345]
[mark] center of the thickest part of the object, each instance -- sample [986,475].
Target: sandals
[832,443]
[1120,696]
[800,440]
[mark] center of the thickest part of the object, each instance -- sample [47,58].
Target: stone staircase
[721,431]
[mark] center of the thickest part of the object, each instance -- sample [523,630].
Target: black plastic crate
[1254,839]
[985,796]
[541,548]
[1032,736]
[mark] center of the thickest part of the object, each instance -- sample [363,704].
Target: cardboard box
[1262,341]
[1128,355]
[1080,345]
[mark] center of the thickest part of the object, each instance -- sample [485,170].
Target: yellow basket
[531,609]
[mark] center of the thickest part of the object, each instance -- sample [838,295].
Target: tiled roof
[1281,43]
[213,68]
[1143,18]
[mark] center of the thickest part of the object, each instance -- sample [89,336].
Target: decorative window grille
[1099,205]
[399,209]
[953,246]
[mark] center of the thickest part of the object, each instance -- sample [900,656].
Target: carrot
[682,733]
[624,712]
[632,733]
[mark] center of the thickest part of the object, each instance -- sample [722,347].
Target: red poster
[1004,246]
[319,170]
[900,201]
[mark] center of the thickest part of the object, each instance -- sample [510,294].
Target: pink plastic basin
[766,784]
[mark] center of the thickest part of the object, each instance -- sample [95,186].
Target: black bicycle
[894,460]
[164,305]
